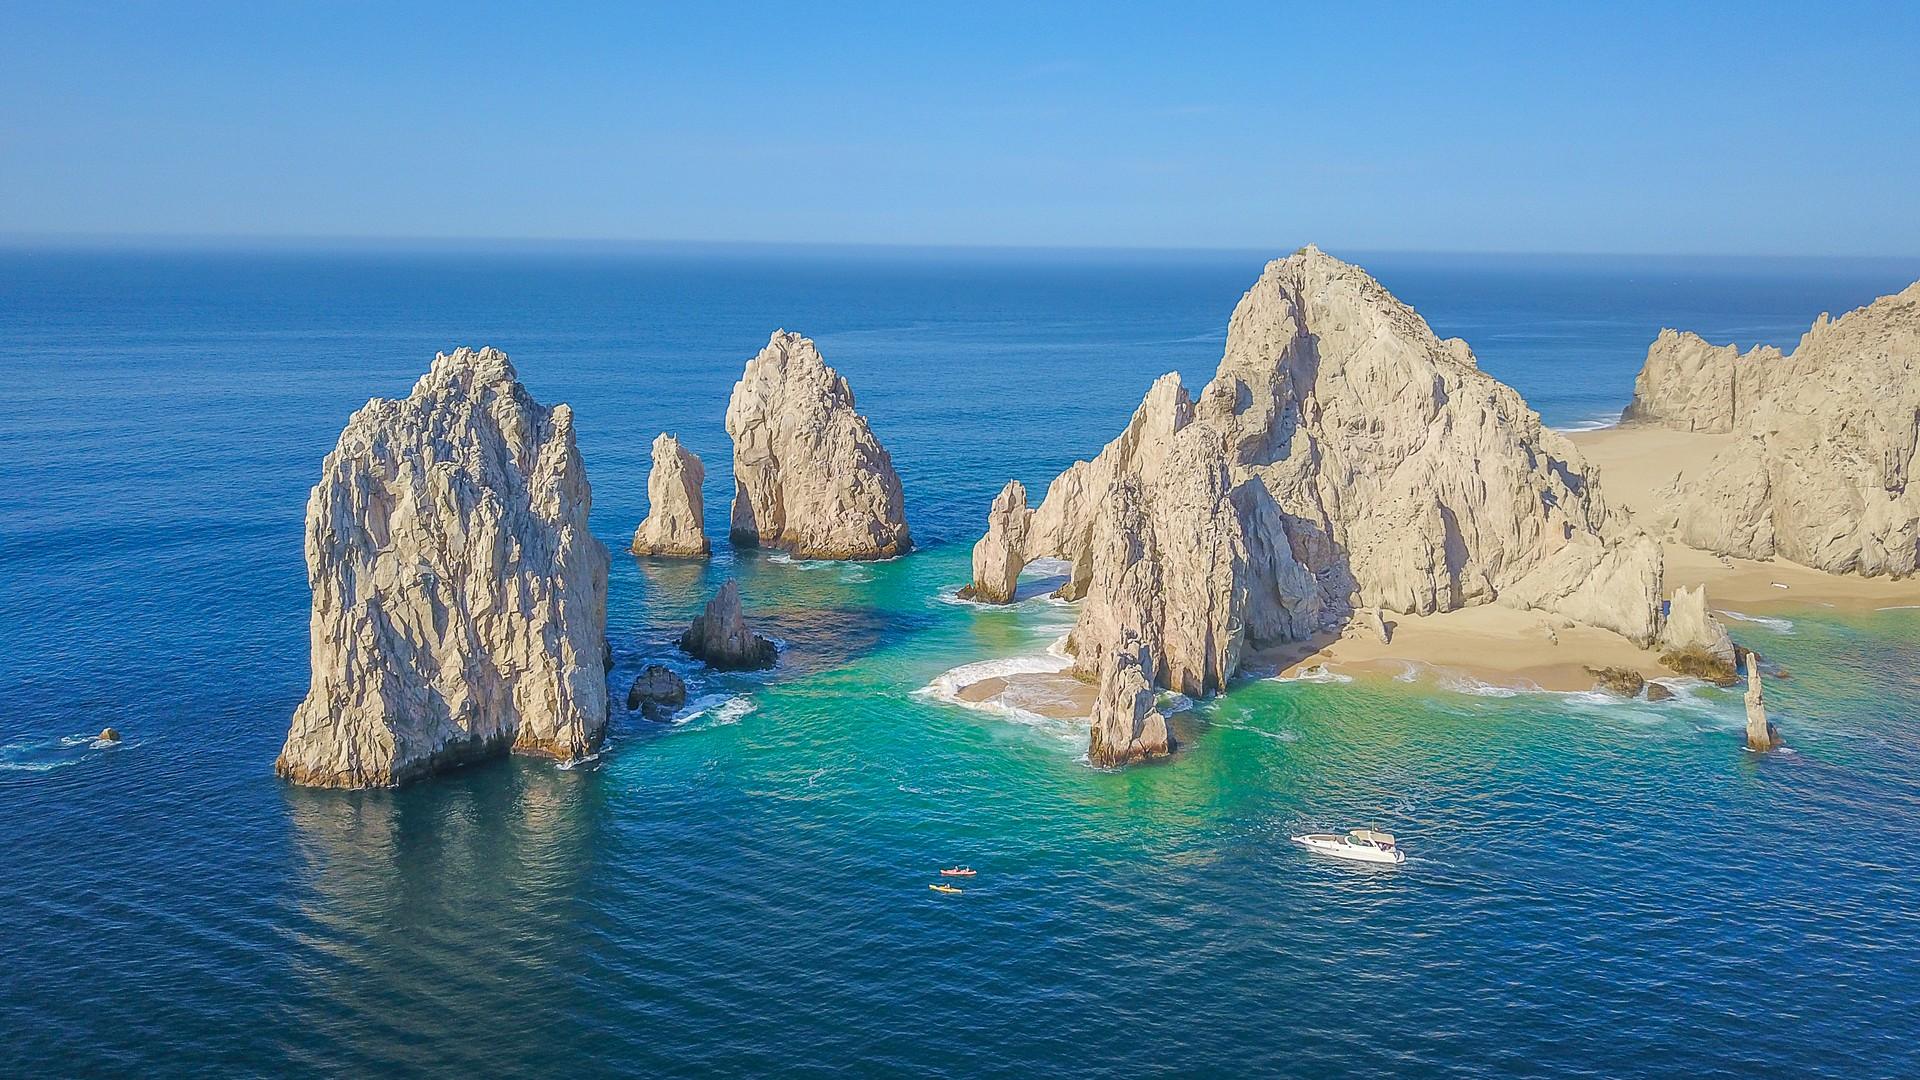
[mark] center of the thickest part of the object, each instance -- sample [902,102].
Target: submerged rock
[1625,682]
[674,524]
[1125,727]
[108,735]
[721,637]
[1826,442]
[656,692]
[809,477]
[1698,662]
[1343,457]
[459,599]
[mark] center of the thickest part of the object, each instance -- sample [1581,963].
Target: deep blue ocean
[1594,889]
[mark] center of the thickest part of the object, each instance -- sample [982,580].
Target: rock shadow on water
[471,879]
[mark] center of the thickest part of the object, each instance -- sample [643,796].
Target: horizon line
[294,242]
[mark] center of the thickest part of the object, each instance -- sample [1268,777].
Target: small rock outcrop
[459,600]
[1342,458]
[809,477]
[674,525]
[108,735]
[721,637]
[1690,625]
[1825,447]
[1624,682]
[1658,691]
[1760,734]
[1125,727]
[656,692]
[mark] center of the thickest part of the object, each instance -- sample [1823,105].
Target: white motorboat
[1360,845]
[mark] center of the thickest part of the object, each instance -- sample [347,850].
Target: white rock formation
[1125,727]
[1342,457]
[1689,625]
[720,635]
[1828,441]
[999,555]
[459,600]
[1688,384]
[674,525]
[809,477]
[1760,734]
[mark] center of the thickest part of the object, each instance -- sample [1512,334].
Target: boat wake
[1778,626]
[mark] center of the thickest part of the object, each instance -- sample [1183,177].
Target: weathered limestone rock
[809,477]
[720,635]
[1625,682]
[1658,692]
[1688,384]
[1376,621]
[1696,661]
[656,692]
[1125,727]
[674,525]
[1343,457]
[1690,625]
[999,555]
[459,600]
[1760,734]
[1828,440]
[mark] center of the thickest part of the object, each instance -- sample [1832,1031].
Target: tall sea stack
[459,600]
[809,477]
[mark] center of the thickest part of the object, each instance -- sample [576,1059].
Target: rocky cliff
[674,525]
[1826,445]
[1343,456]
[459,601]
[809,477]
[1125,727]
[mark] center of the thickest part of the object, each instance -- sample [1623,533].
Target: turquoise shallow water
[1595,888]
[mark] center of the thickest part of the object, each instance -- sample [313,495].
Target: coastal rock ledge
[459,600]
[809,477]
[674,525]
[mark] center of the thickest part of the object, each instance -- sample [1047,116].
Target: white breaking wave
[723,708]
[1780,626]
[947,686]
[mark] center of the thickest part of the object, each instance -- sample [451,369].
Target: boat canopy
[1369,836]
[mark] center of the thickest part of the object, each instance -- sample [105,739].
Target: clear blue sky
[1736,128]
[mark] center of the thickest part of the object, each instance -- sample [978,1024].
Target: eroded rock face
[656,692]
[720,635]
[1820,474]
[459,601]
[1690,625]
[999,556]
[1688,384]
[1342,457]
[809,477]
[1125,727]
[674,525]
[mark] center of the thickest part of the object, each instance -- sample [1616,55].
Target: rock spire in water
[1343,457]
[720,635]
[459,600]
[1825,441]
[809,477]
[1125,727]
[1760,734]
[674,524]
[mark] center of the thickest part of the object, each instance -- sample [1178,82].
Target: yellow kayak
[943,888]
